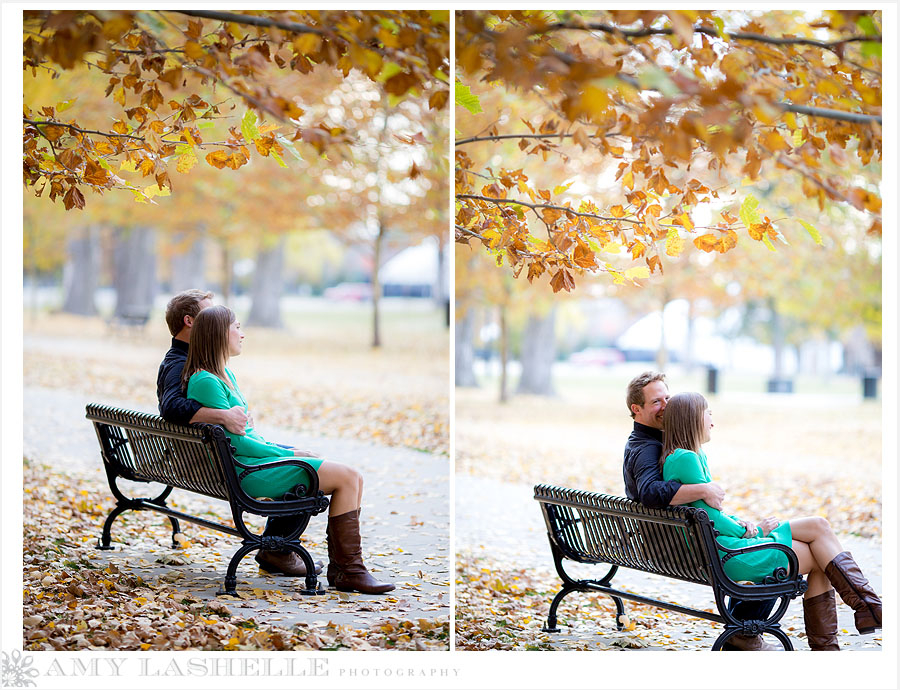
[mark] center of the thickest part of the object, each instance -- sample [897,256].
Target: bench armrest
[288,461]
[793,564]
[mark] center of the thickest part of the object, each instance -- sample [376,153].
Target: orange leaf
[562,280]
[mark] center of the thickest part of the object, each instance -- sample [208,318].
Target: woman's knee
[820,526]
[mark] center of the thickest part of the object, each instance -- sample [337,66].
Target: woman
[215,337]
[687,425]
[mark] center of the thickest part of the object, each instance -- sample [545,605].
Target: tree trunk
[503,344]
[441,298]
[134,275]
[376,285]
[464,368]
[188,267]
[268,284]
[538,354]
[688,354]
[80,271]
[227,272]
[777,341]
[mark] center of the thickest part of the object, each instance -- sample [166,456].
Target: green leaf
[65,105]
[817,238]
[867,25]
[248,126]
[289,145]
[206,124]
[870,49]
[768,242]
[389,70]
[720,25]
[653,77]
[748,214]
[467,99]
[278,158]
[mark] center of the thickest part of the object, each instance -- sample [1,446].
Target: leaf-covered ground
[140,597]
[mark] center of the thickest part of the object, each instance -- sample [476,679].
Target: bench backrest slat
[147,448]
[596,528]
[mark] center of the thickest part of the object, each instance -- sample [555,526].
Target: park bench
[199,458]
[674,542]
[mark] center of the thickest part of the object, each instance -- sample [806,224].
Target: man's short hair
[635,393]
[183,304]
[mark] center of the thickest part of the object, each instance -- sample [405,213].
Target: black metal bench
[145,448]
[675,542]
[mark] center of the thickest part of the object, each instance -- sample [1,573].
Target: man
[646,399]
[175,407]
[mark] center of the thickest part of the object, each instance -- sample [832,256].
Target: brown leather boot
[846,577]
[284,563]
[350,574]
[332,568]
[820,619]
[749,643]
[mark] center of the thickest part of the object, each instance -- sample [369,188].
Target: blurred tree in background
[214,138]
[726,158]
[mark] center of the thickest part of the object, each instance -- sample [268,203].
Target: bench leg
[620,612]
[176,529]
[557,600]
[231,573]
[105,539]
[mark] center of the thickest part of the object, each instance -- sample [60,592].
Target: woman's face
[235,336]
[707,425]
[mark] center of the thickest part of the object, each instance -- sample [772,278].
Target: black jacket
[643,478]
[174,405]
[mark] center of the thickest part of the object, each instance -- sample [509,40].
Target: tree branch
[558,135]
[535,207]
[830,114]
[234,17]
[478,236]
[80,130]
[709,31]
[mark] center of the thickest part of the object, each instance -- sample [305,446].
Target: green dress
[689,467]
[251,448]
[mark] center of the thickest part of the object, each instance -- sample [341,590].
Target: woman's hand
[303,454]
[749,528]
[768,524]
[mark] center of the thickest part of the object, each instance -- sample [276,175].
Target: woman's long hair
[209,343]
[683,424]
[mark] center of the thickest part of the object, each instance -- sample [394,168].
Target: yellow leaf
[628,180]
[638,272]
[617,212]
[594,101]
[305,44]
[674,243]
[686,222]
[154,190]
[127,165]
[119,96]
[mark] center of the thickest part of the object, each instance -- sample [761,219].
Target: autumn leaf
[562,280]
[466,99]
[584,257]
[73,198]
[817,237]
[674,242]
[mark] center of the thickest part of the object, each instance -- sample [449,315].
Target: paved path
[503,521]
[405,524]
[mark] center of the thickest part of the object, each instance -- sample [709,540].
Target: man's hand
[713,495]
[234,420]
[768,524]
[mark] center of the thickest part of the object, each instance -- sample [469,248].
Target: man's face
[656,395]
